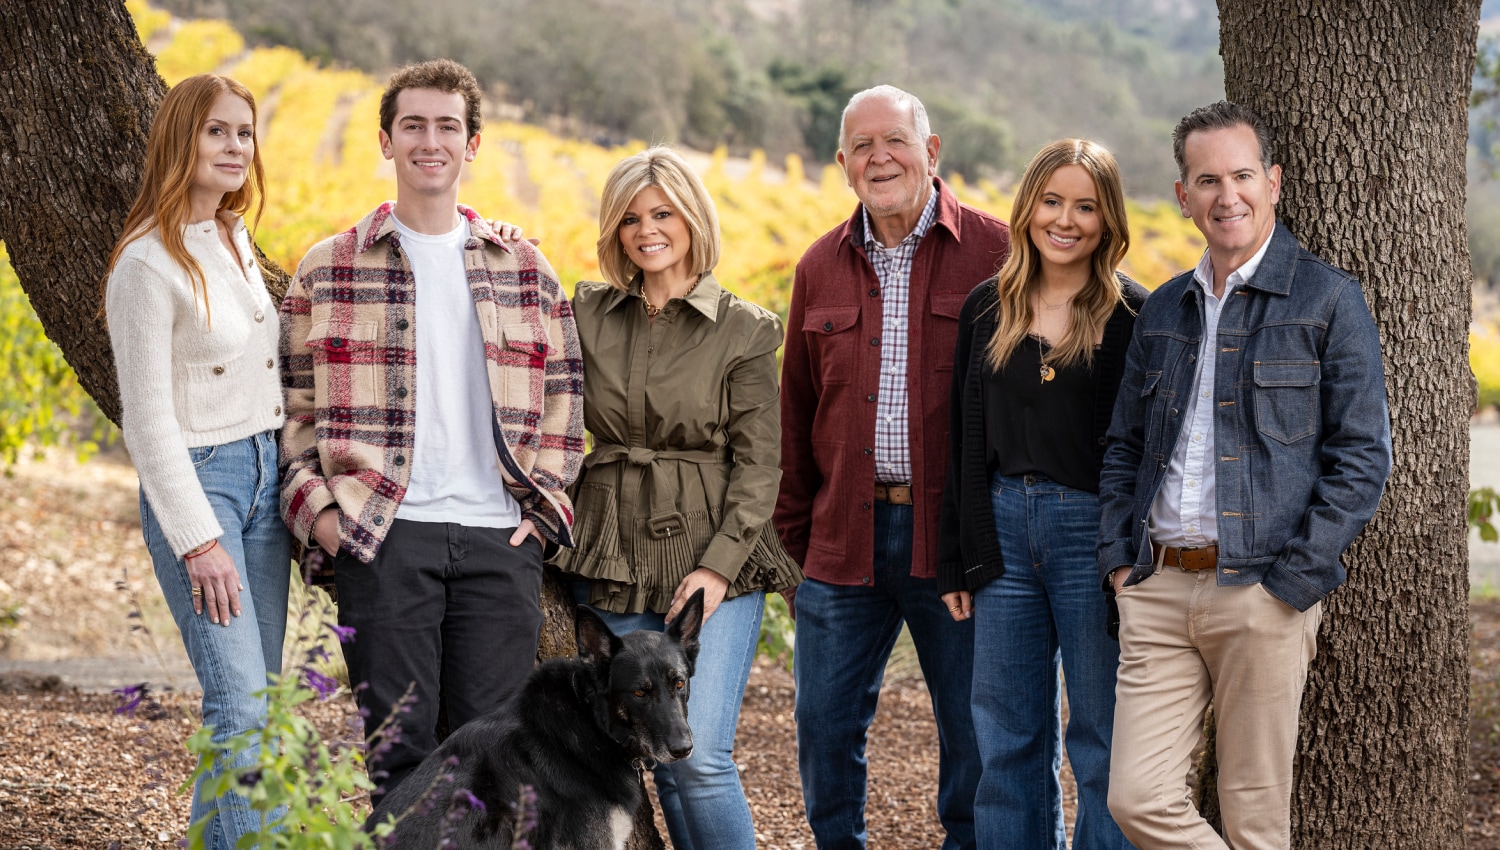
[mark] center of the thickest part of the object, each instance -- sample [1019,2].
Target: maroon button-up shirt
[830,381]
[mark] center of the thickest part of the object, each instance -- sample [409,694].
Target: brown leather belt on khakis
[1201,558]
[893,494]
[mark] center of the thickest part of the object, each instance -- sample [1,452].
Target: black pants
[445,609]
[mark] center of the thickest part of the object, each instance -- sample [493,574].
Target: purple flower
[130,698]
[462,796]
[343,633]
[325,686]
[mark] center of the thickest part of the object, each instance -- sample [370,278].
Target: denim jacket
[1302,434]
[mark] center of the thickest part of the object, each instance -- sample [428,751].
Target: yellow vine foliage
[318,138]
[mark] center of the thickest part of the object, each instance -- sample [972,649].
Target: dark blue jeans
[1047,608]
[844,637]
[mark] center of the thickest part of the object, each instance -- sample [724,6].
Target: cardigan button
[380,520]
[869,451]
[401,392]
[875,340]
[866,506]
[402,325]
[874,293]
[260,315]
[401,460]
[870,397]
[1100,440]
[828,326]
[336,342]
[218,370]
[270,364]
[277,411]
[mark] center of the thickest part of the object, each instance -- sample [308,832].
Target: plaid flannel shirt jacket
[348,364]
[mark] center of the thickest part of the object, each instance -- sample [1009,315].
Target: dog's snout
[681,749]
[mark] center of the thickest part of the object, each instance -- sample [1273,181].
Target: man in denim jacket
[1250,445]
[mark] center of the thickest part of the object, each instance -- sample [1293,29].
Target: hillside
[1000,77]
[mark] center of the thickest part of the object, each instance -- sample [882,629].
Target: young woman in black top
[1040,354]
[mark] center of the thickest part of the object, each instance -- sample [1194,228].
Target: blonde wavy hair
[1092,307]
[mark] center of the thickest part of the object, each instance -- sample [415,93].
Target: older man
[1250,445]
[864,407]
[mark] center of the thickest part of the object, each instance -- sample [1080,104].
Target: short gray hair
[894,95]
[1219,116]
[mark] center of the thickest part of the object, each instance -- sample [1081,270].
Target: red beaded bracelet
[200,553]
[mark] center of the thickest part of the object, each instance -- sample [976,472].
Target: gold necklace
[651,309]
[1048,373]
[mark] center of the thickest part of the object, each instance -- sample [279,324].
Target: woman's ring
[953,607]
[197,591]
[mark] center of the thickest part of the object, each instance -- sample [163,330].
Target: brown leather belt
[1200,558]
[894,494]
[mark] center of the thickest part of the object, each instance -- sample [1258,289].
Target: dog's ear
[688,624]
[595,641]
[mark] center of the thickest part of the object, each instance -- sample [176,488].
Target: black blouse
[1042,427]
[968,548]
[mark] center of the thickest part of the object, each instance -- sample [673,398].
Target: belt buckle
[663,526]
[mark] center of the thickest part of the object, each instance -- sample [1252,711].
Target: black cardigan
[968,548]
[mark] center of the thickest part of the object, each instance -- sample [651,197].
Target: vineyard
[317,134]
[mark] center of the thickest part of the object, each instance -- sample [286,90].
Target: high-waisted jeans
[1047,607]
[232,661]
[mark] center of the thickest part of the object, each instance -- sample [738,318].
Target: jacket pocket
[346,363]
[214,396]
[522,361]
[942,334]
[831,335]
[1286,399]
[1150,401]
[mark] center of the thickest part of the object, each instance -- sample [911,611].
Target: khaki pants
[1183,641]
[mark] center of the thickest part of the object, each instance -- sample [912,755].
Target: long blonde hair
[171,161]
[1092,307]
[665,169]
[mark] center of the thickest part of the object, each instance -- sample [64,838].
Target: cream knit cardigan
[186,381]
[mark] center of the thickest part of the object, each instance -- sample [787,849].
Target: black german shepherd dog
[578,733]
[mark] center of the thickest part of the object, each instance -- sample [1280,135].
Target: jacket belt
[664,519]
[1199,558]
[895,494]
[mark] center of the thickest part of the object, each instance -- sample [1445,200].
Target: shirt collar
[704,298]
[924,223]
[1204,273]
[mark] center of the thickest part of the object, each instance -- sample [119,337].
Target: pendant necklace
[1048,373]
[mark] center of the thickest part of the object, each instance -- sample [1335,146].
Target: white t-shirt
[455,471]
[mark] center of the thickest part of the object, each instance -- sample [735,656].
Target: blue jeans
[232,661]
[701,798]
[844,637]
[1047,607]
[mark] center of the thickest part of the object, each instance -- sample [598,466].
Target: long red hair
[171,161]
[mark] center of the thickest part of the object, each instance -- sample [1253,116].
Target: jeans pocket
[202,455]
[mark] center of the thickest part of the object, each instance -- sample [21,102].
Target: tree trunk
[1367,103]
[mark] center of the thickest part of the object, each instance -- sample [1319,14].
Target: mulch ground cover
[75,590]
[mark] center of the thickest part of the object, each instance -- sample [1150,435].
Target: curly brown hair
[445,75]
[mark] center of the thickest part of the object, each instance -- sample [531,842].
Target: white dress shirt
[1185,513]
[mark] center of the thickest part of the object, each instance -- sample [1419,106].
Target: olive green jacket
[685,466]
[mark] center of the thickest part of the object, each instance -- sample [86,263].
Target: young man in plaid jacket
[434,394]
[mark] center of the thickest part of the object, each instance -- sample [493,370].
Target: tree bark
[1367,103]
[80,92]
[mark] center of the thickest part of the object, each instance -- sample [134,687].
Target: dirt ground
[80,614]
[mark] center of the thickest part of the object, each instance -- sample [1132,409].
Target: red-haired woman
[194,337]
